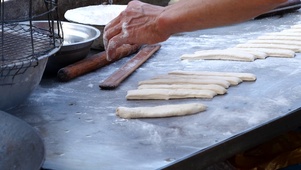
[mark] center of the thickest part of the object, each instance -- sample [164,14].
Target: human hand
[137,24]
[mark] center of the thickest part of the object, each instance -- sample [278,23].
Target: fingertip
[110,51]
[105,41]
[113,44]
[108,56]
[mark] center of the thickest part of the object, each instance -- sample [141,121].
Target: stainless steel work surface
[77,119]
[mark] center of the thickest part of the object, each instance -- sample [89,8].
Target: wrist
[165,24]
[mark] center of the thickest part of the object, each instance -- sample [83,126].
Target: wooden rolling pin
[93,62]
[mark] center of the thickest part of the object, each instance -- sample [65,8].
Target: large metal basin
[20,73]
[21,148]
[14,90]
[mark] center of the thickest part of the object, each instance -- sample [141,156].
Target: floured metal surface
[81,131]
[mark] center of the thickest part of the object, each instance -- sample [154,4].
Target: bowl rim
[97,31]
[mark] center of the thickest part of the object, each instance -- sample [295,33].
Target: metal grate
[22,42]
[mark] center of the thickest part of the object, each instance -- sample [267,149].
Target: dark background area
[19,9]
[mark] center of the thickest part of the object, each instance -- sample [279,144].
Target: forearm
[191,15]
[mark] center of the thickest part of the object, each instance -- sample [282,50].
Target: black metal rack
[22,41]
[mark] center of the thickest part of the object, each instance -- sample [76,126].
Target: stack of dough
[276,44]
[284,44]
[184,84]
[180,85]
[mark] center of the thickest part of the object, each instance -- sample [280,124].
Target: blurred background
[64,5]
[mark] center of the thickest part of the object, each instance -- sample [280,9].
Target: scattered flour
[124,30]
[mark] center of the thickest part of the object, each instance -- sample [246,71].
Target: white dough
[298,26]
[257,54]
[220,82]
[281,53]
[219,55]
[272,37]
[166,94]
[287,42]
[160,111]
[292,30]
[231,80]
[294,48]
[216,88]
[242,76]
[284,33]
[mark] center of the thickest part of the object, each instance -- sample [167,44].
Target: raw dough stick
[160,111]
[271,37]
[297,34]
[296,26]
[232,80]
[223,83]
[166,94]
[257,54]
[219,55]
[216,88]
[287,42]
[294,48]
[242,76]
[292,30]
[275,52]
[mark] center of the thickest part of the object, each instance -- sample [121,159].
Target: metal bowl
[98,44]
[22,70]
[95,15]
[15,89]
[78,39]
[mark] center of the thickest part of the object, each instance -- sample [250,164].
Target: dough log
[281,53]
[160,111]
[166,94]
[220,82]
[272,37]
[242,76]
[232,80]
[257,54]
[295,48]
[216,88]
[262,41]
[219,55]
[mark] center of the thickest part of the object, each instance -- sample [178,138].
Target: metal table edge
[238,143]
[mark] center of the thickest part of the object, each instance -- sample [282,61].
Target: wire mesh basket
[22,43]
[25,47]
